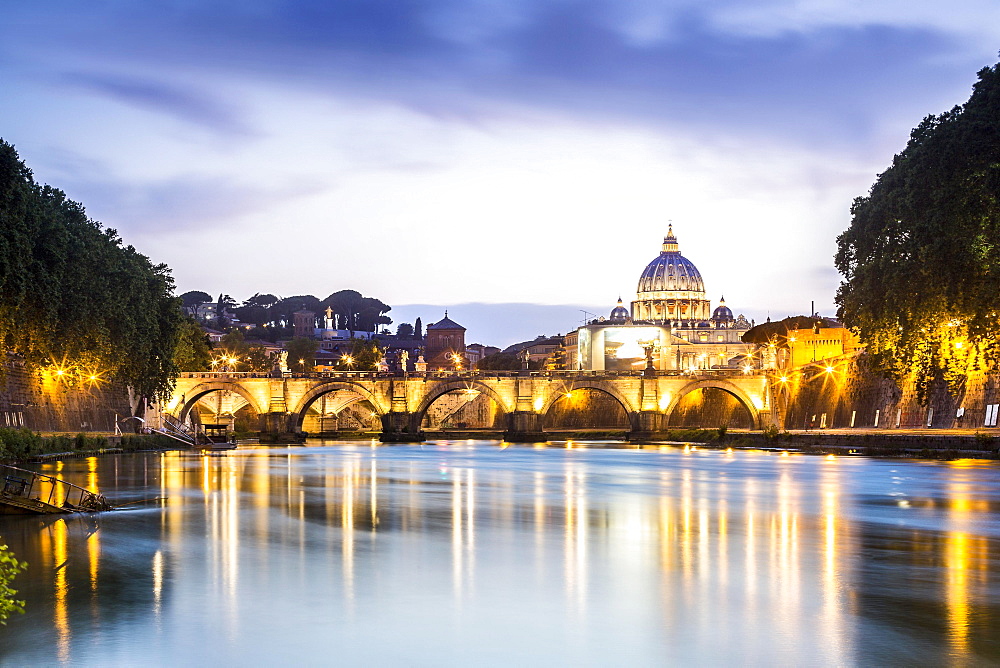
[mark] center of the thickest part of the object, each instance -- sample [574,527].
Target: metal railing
[25,484]
[175,429]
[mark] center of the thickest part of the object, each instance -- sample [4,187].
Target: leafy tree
[194,298]
[366,354]
[499,362]
[280,314]
[73,295]
[301,351]
[258,359]
[261,300]
[193,352]
[256,309]
[921,258]
[776,332]
[405,330]
[418,329]
[9,568]
[356,313]
[231,351]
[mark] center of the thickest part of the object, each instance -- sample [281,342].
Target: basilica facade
[670,321]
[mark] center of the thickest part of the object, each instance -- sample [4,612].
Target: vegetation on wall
[921,258]
[74,300]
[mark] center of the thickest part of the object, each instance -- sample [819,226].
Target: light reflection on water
[462,552]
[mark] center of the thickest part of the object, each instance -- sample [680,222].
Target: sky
[512,161]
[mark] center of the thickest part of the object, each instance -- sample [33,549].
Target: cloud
[185,104]
[805,69]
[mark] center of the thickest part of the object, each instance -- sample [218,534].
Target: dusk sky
[518,152]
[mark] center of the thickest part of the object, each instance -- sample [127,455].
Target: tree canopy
[301,353]
[776,332]
[73,297]
[921,258]
[194,298]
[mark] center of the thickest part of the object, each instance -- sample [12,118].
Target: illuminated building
[671,318]
[445,343]
[819,343]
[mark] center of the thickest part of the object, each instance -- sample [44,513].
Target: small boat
[215,437]
[30,492]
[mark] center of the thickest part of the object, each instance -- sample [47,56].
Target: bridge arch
[195,394]
[442,388]
[364,394]
[601,386]
[729,388]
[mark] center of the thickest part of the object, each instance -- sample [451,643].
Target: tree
[258,359]
[366,354]
[255,309]
[73,296]
[280,314]
[921,258]
[405,330]
[232,346]
[193,351]
[418,329]
[301,352]
[9,568]
[356,313]
[195,298]
[499,362]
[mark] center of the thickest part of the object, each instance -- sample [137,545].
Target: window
[991,415]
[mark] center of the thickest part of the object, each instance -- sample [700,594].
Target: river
[469,553]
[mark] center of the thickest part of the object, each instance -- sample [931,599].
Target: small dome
[619,314]
[722,313]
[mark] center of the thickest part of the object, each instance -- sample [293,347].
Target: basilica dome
[670,271]
[670,288]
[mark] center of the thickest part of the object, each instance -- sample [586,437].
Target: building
[445,346]
[818,344]
[670,324]
[477,351]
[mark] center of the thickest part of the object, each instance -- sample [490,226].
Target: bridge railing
[568,374]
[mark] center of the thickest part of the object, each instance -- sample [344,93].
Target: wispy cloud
[186,104]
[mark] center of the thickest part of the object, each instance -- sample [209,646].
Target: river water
[469,553]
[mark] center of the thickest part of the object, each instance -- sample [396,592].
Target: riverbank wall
[848,394]
[47,403]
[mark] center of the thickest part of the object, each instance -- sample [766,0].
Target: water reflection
[572,552]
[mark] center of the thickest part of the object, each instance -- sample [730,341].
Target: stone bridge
[522,398]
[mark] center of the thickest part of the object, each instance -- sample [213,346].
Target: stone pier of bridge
[522,399]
